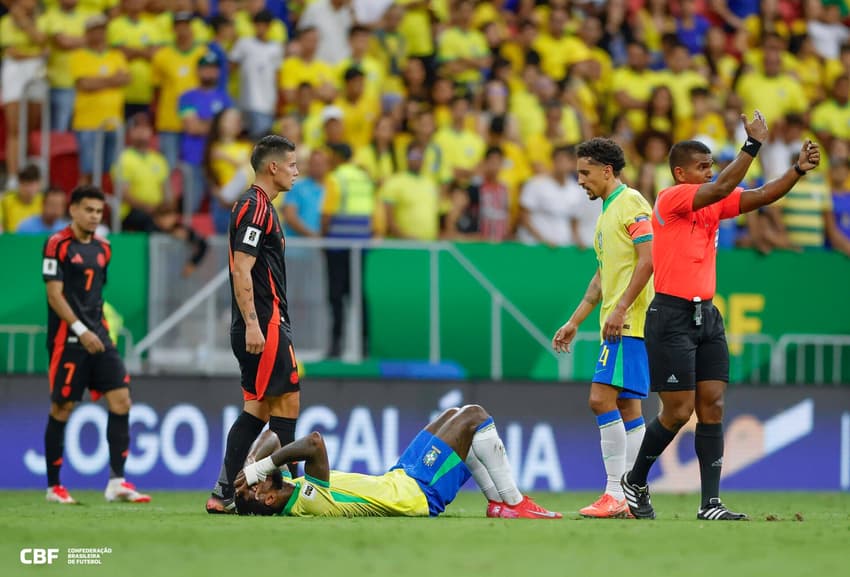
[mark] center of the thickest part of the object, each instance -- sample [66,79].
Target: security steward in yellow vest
[348,212]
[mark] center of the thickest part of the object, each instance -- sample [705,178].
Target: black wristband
[751,147]
[799,170]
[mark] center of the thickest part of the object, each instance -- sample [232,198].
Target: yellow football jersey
[624,223]
[392,494]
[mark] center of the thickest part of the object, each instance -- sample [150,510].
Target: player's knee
[475,414]
[61,411]
[120,405]
[711,410]
[315,439]
[600,405]
[678,415]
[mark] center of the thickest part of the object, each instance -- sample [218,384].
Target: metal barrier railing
[801,344]
[31,332]
[43,160]
[203,298]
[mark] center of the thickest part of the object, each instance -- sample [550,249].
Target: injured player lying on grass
[459,443]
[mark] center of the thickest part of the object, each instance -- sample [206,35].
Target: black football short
[73,369]
[271,373]
[681,352]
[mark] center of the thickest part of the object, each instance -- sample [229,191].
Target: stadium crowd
[420,119]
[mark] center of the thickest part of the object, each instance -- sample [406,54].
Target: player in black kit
[260,332]
[81,352]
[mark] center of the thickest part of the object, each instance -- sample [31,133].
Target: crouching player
[459,443]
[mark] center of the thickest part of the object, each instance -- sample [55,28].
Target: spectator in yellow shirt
[140,177]
[461,50]
[631,86]
[360,109]
[23,202]
[303,67]
[174,72]
[138,39]
[358,41]
[226,160]
[410,201]
[23,46]
[831,118]
[461,149]
[100,75]
[244,22]
[65,28]
[378,158]
[559,50]
[774,92]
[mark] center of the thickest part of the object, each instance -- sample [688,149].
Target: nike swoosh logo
[547,514]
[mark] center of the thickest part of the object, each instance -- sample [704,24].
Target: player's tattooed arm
[243,286]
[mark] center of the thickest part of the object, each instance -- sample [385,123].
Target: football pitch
[789,534]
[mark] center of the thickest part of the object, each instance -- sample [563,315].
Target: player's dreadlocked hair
[603,151]
[253,507]
[268,146]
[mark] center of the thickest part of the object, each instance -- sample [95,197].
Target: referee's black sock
[708,443]
[655,441]
[242,434]
[118,437]
[54,446]
[284,428]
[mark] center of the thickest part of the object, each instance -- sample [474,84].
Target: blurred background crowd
[416,119]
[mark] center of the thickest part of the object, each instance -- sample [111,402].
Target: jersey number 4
[603,357]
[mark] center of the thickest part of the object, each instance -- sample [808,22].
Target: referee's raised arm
[731,176]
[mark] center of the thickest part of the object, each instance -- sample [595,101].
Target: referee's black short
[682,353]
[273,372]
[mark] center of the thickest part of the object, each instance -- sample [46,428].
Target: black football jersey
[255,229]
[81,266]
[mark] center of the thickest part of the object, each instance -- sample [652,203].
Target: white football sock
[613,443]
[634,437]
[482,477]
[490,450]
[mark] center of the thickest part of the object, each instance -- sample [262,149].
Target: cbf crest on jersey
[431,456]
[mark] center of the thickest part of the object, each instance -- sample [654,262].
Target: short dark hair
[603,151]
[491,150]
[54,189]
[358,29]
[700,91]
[30,173]
[568,149]
[682,152]
[267,146]
[253,507]
[353,72]
[86,191]
[263,17]
[219,21]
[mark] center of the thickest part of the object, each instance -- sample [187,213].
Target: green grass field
[809,534]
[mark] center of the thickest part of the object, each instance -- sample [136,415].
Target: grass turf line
[807,535]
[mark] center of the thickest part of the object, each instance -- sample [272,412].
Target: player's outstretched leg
[490,451]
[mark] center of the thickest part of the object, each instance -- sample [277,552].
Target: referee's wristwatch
[799,170]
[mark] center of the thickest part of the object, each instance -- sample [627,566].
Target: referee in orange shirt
[684,335]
